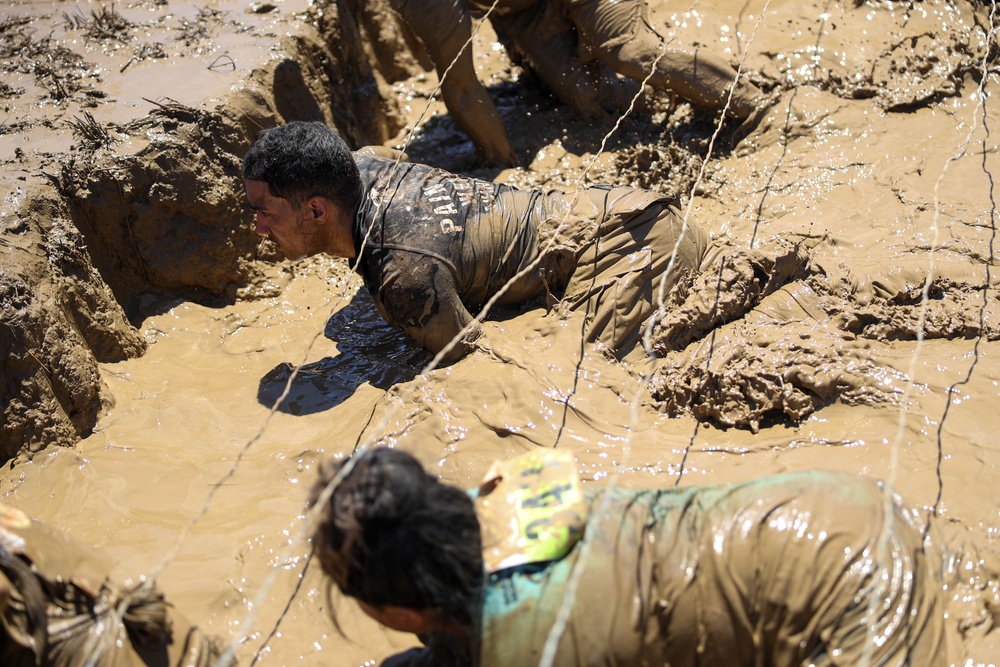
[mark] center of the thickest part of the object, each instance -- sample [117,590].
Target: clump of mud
[783,361]
[816,340]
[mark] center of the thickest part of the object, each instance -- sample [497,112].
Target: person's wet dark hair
[393,535]
[302,160]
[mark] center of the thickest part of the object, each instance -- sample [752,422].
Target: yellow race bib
[531,509]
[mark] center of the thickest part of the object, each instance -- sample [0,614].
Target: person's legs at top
[619,34]
[543,40]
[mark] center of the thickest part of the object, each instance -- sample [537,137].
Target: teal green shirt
[777,571]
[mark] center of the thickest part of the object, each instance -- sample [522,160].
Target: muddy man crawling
[434,248]
[537,568]
[562,41]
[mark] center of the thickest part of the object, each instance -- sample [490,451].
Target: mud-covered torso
[604,21]
[429,242]
[771,571]
[434,248]
[483,232]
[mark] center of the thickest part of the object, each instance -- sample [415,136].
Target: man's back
[433,246]
[777,570]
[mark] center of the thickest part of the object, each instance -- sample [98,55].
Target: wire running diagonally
[897,441]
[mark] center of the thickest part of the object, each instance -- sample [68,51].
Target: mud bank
[121,182]
[143,316]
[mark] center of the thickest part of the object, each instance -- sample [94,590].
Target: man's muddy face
[292,228]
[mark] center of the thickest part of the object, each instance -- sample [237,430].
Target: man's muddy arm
[419,297]
[445,27]
[439,331]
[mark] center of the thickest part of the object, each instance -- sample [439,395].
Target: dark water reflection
[370,351]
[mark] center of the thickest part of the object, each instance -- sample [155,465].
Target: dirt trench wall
[154,204]
[59,320]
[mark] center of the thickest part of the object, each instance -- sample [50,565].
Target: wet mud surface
[148,334]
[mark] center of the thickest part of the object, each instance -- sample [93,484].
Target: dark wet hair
[302,160]
[393,535]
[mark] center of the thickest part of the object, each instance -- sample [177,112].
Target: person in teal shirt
[817,568]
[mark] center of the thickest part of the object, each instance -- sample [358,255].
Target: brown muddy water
[877,154]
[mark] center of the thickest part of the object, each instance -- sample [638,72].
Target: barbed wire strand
[908,389]
[988,270]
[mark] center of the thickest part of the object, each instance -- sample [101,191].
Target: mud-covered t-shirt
[795,569]
[435,247]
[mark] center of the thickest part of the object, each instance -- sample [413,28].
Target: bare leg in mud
[619,34]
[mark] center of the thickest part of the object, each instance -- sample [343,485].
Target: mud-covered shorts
[604,24]
[641,250]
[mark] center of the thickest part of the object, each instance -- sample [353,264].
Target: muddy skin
[849,161]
